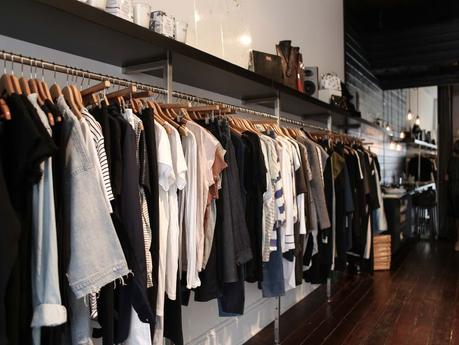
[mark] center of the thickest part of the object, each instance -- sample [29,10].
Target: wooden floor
[418,303]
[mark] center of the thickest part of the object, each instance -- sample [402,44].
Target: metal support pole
[277,308]
[329,121]
[167,76]
[419,163]
[329,299]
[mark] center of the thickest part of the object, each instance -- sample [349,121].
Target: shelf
[420,143]
[76,28]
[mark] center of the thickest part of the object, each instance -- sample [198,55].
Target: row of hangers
[174,114]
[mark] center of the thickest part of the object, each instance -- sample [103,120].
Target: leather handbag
[267,65]
[291,60]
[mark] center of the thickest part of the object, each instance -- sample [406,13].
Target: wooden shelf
[76,28]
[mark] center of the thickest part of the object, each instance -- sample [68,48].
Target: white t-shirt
[166,179]
[173,235]
[188,201]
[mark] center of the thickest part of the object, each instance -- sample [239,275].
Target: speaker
[311,81]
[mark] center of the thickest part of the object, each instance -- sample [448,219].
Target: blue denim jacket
[46,297]
[96,255]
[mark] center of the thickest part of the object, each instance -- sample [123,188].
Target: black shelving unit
[74,27]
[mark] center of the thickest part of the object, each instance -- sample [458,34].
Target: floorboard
[417,303]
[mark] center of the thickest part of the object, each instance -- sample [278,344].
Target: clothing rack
[89,75]
[73,72]
[85,74]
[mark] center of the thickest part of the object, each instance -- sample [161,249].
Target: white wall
[423,102]
[316,26]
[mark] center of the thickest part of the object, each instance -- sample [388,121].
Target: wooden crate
[381,252]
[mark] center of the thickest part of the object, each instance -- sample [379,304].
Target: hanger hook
[42,71]
[4,62]
[36,69]
[12,64]
[82,80]
[67,73]
[22,66]
[54,69]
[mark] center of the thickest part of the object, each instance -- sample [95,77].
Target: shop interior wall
[376,104]
[230,28]
[425,98]
[201,323]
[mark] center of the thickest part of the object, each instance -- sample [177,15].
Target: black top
[427,169]
[24,147]
[255,185]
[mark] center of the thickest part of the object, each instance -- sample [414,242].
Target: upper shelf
[76,28]
[419,144]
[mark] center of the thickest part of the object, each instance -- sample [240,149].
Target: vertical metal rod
[329,122]
[277,109]
[168,76]
[277,308]
[329,289]
[419,163]
[277,311]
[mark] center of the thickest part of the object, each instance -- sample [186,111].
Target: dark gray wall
[374,103]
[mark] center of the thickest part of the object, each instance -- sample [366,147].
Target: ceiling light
[409,116]
[398,147]
[245,40]
[392,145]
[402,135]
[418,120]
[388,127]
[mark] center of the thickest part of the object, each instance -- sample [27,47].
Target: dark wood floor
[417,303]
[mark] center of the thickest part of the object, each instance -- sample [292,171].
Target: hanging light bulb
[409,116]
[392,145]
[388,127]
[402,135]
[418,120]
[398,147]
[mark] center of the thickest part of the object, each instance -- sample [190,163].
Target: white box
[325,95]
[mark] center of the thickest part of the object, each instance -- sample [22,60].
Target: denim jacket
[96,255]
[46,297]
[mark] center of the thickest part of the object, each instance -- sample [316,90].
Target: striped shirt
[141,156]
[98,137]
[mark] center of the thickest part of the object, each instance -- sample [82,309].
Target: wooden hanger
[157,116]
[186,105]
[143,94]
[6,84]
[204,108]
[91,94]
[128,91]
[55,91]
[23,82]
[181,129]
[69,98]
[77,96]
[120,94]
[5,112]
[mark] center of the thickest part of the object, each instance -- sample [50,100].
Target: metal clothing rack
[73,72]
[85,74]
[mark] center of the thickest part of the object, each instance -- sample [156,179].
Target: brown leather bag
[267,65]
[291,61]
